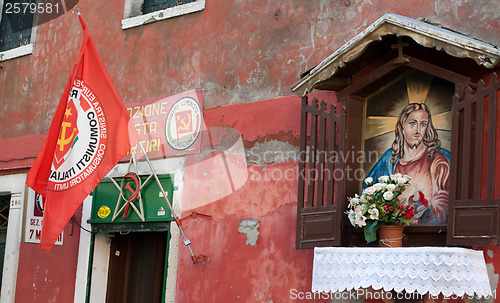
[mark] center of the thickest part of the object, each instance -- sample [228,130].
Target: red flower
[421,195]
[388,209]
[422,199]
[409,212]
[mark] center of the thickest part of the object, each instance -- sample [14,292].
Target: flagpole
[187,242]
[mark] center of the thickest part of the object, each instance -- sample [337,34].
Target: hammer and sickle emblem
[135,192]
[185,126]
[63,141]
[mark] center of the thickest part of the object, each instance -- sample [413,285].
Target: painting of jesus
[416,149]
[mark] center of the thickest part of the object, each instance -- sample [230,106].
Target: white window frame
[15,184]
[22,50]
[133,17]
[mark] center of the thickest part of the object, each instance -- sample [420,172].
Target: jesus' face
[415,127]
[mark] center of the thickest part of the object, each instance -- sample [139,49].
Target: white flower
[373,213]
[356,217]
[379,186]
[383,179]
[401,181]
[396,176]
[352,217]
[391,187]
[407,178]
[388,195]
[370,190]
[358,211]
[355,201]
[364,208]
[360,220]
[369,181]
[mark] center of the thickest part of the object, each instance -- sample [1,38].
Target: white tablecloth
[451,271]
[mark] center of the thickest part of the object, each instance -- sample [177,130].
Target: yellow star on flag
[68,112]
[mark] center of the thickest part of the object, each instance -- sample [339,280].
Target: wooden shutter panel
[475,167]
[319,209]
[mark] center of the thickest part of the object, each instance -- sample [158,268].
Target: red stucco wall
[238,52]
[49,276]
[239,272]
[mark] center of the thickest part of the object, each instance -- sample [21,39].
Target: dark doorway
[137,267]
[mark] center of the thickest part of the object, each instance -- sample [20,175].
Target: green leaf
[371,231]
[405,221]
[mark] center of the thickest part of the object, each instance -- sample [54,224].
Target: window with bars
[4,220]
[4,210]
[156,5]
[15,25]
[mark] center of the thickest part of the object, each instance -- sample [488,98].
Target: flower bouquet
[379,204]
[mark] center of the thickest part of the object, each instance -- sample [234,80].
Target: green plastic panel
[106,198]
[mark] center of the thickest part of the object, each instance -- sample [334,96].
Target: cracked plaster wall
[272,152]
[249,228]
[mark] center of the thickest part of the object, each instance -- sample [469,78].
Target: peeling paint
[272,152]
[249,228]
[224,139]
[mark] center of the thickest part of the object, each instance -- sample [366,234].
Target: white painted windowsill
[171,12]
[16,52]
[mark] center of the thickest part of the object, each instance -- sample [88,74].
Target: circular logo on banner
[103,212]
[38,210]
[183,123]
[82,139]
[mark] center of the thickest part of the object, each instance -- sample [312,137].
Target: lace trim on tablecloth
[433,270]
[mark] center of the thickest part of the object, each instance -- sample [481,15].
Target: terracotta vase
[390,235]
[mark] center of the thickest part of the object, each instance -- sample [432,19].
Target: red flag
[88,136]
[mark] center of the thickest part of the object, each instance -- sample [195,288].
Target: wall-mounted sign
[16,201]
[131,199]
[168,126]
[34,216]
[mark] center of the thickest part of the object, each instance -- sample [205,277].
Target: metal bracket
[201,259]
[196,215]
